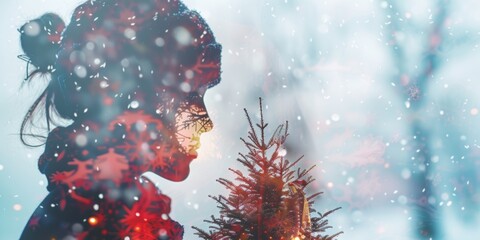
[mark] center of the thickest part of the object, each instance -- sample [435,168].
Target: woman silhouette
[130,76]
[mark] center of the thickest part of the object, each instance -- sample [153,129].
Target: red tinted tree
[267,201]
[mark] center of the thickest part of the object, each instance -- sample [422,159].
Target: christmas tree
[268,200]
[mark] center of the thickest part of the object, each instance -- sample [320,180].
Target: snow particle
[407,104]
[406,174]
[351,180]
[189,74]
[282,152]
[1,167]
[81,140]
[140,126]
[77,228]
[130,33]
[80,71]
[422,167]
[474,111]
[32,29]
[104,84]
[185,87]
[402,199]
[125,63]
[335,117]
[17,207]
[145,147]
[90,45]
[182,35]
[159,42]
[134,104]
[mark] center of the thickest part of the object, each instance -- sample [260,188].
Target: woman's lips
[193,153]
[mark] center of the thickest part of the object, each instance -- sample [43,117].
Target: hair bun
[40,39]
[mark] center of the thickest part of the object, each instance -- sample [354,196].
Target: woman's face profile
[152,74]
[183,111]
[169,146]
[191,121]
[129,79]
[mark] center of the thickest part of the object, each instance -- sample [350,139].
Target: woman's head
[116,52]
[115,56]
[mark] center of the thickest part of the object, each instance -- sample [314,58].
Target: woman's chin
[192,155]
[179,172]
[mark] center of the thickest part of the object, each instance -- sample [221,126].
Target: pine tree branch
[268,200]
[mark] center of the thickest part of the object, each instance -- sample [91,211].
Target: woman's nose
[208,124]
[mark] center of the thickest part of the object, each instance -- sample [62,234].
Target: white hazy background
[329,69]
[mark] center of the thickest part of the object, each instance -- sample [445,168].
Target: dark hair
[115,48]
[40,40]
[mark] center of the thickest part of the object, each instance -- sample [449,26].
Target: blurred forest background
[380,95]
